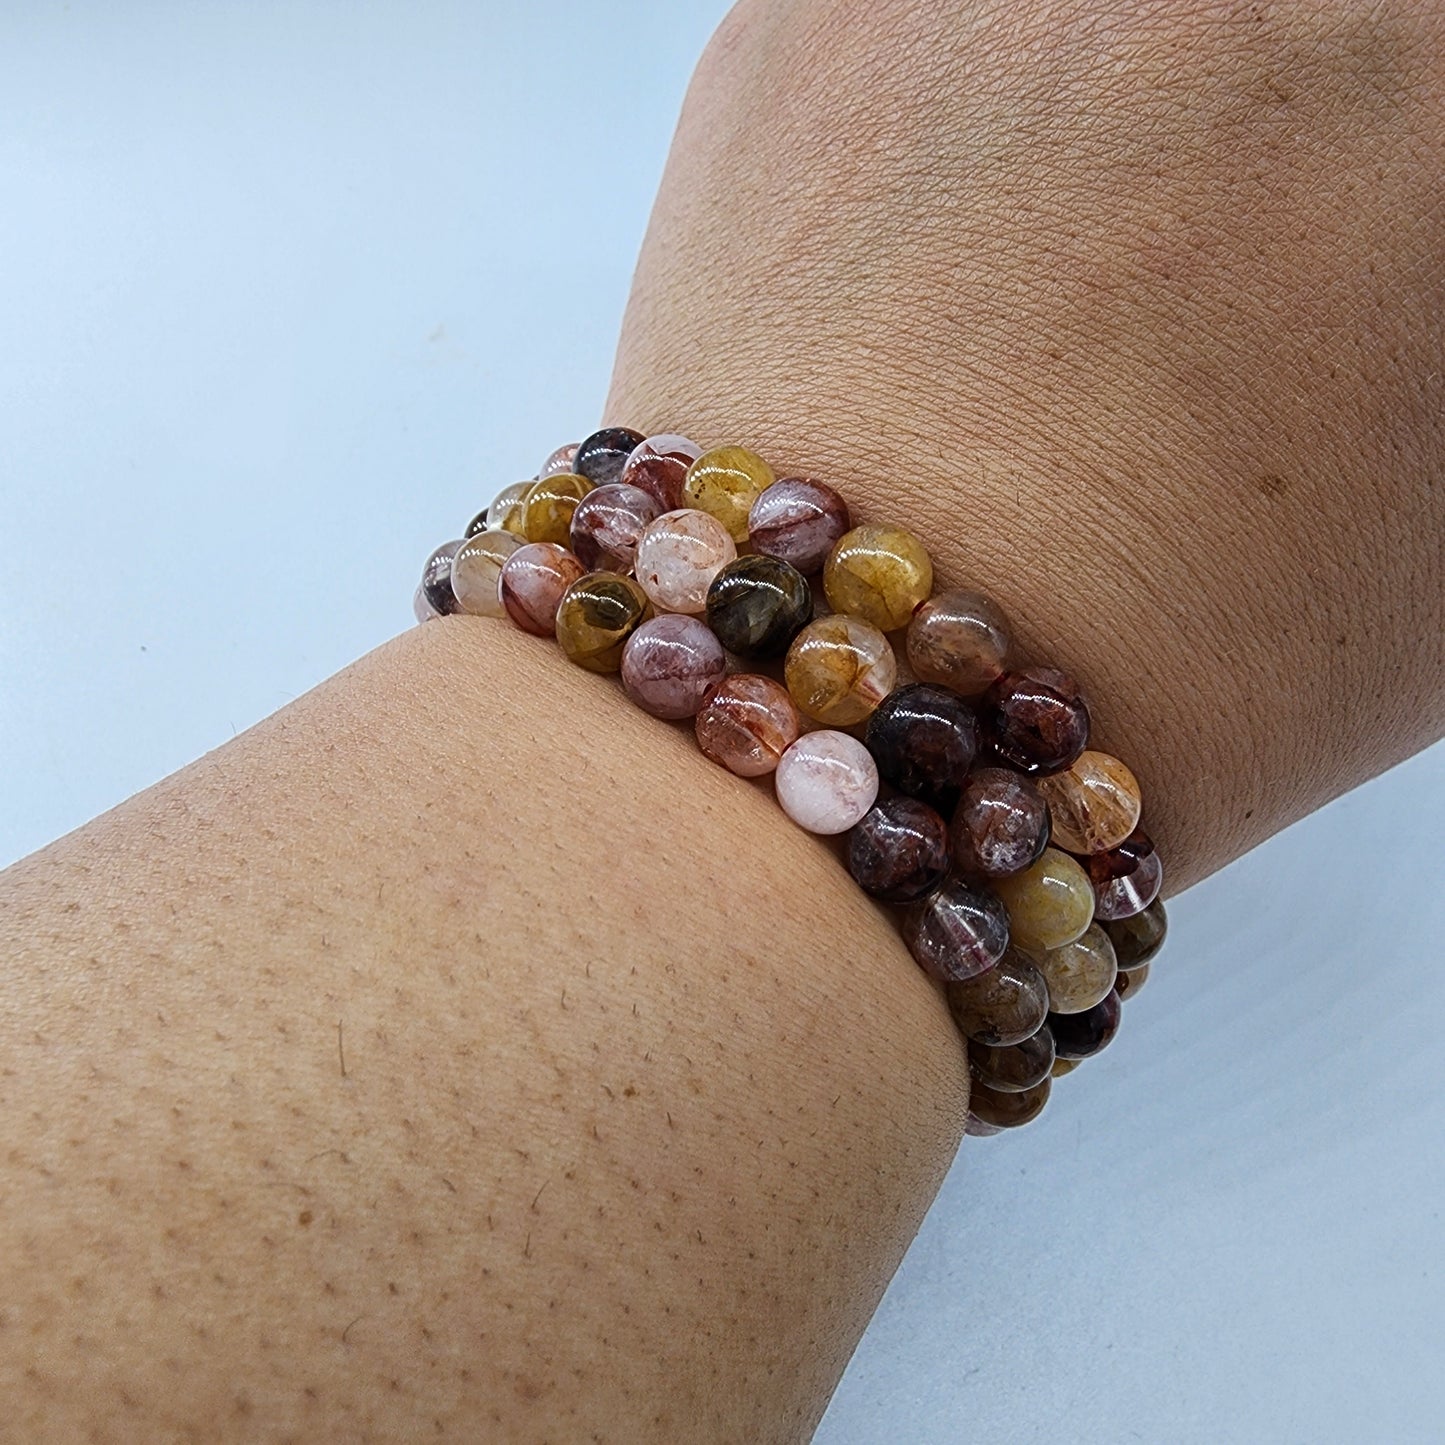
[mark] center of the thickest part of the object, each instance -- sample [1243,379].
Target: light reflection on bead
[725,483]
[505,512]
[477,572]
[826,781]
[757,605]
[559,461]
[748,724]
[1036,719]
[1001,824]
[608,524]
[797,520]
[839,669]
[678,555]
[880,574]
[548,507]
[924,739]
[1049,904]
[1126,879]
[601,456]
[1094,803]
[436,579]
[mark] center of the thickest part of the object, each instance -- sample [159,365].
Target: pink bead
[533,580]
[678,555]
[658,466]
[826,781]
[671,665]
[748,724]
[798,520]
[607,524]
[560,461]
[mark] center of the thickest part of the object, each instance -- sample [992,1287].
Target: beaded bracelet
[1026,886]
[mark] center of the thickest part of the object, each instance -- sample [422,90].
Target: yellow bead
[725,483]
[881,574]
[1080,973]
[1049,904]
[548,506]
[839,669]
[596,616]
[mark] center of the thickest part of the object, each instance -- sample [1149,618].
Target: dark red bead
[1082,1035]
[1000,826]
[898,851]
[956,932]
[1036,720]
[1126,879]
[923,739]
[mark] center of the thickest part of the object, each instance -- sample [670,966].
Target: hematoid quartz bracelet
[970,797]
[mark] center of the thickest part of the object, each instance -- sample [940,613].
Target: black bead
[600,458]
[923,739]
[477,524]
[1080,1036]
[757,605]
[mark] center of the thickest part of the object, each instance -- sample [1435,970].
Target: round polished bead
[1000,826]
[757,605]
[725,483]
[607,525]
[1016,1066]
[477,572]
[898,851]
[477,524]
[880,574]
[1128,984]
[601,457]
[996,1110]
[533,580]
[559,461]
[1138,938]
[748,724]
[924,739]
[658,465]
[1094,803]
[959,639]
[421,609]
[548,507]
[505,513]
[826,781]
[678,555]
[957,932]
[839,669]
[1126,879]
[596,616]
[1036,719]
[1049,904]
[436,580]
[1082,1035]
[797,521]
[671,665]
[1004,1005]
[1080,973]
[1062,1066]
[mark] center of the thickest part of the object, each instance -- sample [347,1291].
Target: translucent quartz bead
[725,483]
[596,616]
[561,460]
[957,932]
[436,579]
[898,851]
[533,580]
[607,524]
[601,457]
[1036,719]
[1016,1066]
[477,524]
[1062,1067]
[1000,826]
[678,555]
[505,513]
[671,665]
[839,669]
[959,639]
[798,521]
[1049,904]
[923,739]
[1094,803]
[757,606]
[826,782]
[1082,1035]
[421,609]
[477,572]
[1138,938]
[880,574]
[994,1110]
[1080,973]
[658,465]
[1128,984]
[1126,879]
[748,724]
[1005,1005]
[548,507]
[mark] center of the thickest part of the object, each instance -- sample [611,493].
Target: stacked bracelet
[1013,851]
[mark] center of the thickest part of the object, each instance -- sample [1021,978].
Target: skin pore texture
[384,1077]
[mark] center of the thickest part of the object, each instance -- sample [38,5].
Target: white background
[286,292]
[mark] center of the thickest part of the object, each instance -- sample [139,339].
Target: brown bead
[1063,1066]
[658,465]
[532,582]
[1080,973]
[596,616]
[1138,938]
[1128,984]
[1094,803]
[996,1109]
[1036,720]
[1001,824]
[1015,1067]
[1003,1006]
[956,932]
[959,639]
